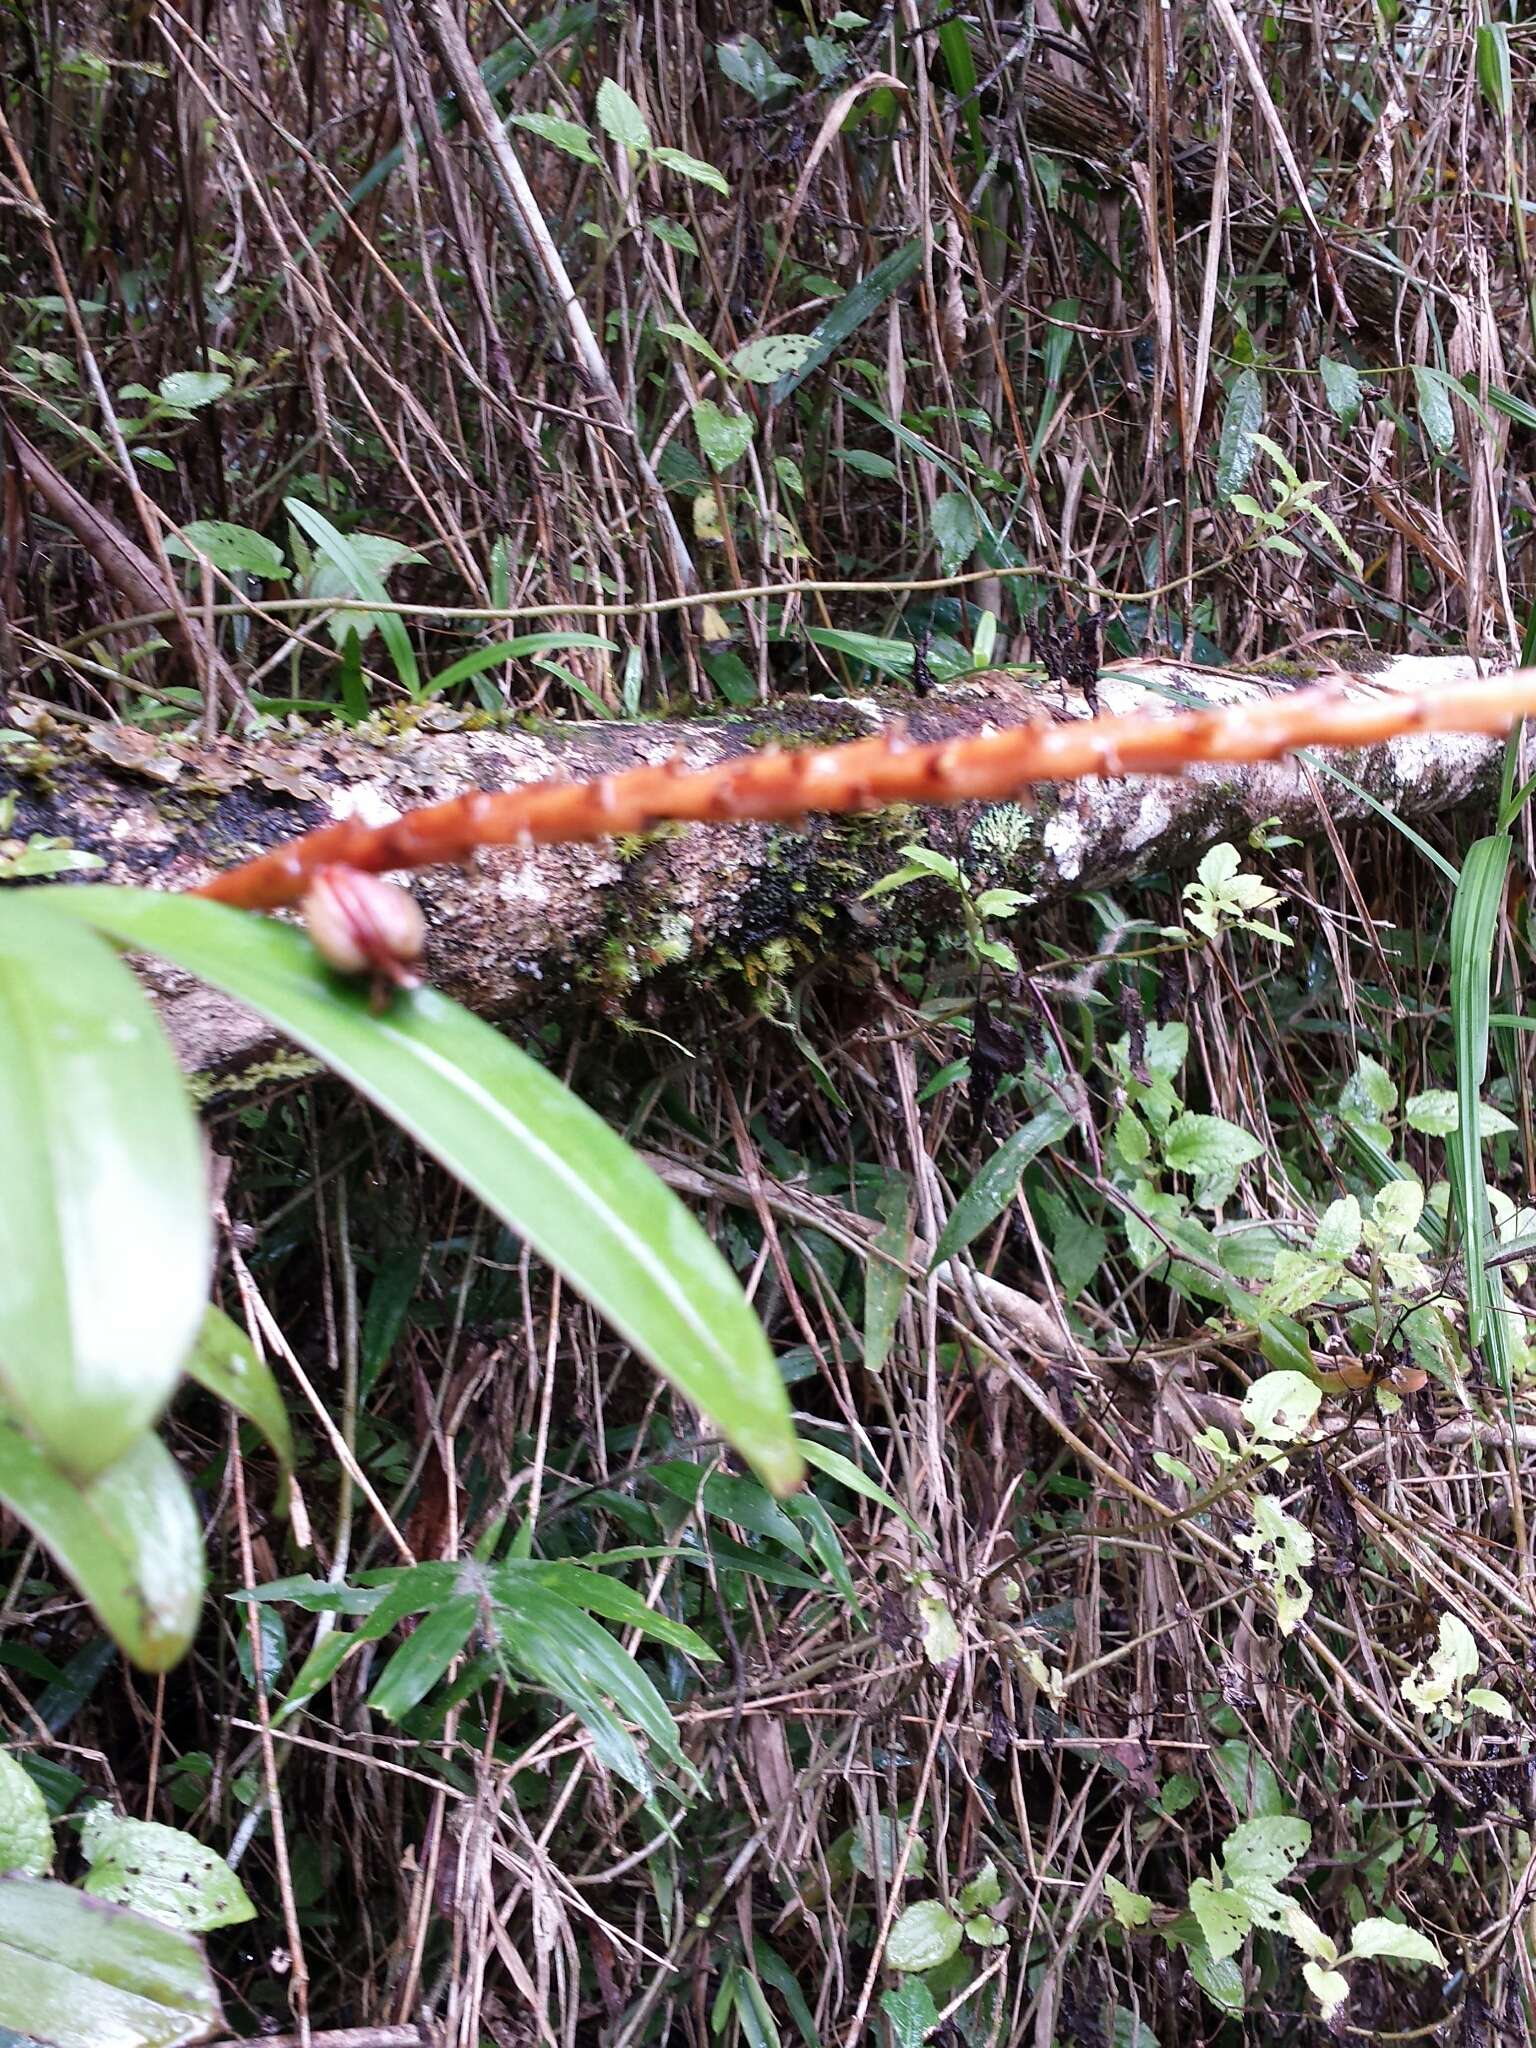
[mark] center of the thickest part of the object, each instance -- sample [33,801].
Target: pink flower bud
[361,925]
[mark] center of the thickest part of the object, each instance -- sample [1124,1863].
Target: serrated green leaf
[1280,1405]
[161,1872]
[1218,1977]
[620,118]
[1391,1940]
[771,356]
[926,1935]
[561,134]
[104,1230]
[745,62]
[26,1837]
[693,167]
[724,437]
[956,532]
[1130,1908]
[190,390]
[1224,1917]
[911,2011]
[1267,1848]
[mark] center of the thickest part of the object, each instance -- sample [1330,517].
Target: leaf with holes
[724,437]
[160,1871]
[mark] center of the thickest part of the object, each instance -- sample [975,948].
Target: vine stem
[871,775]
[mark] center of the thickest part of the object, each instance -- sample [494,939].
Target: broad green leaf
[1329,1987]
[1207,1146]
[1297,1281]
[129,1539]
[926,1935]
[160,1871]
[1389,1938]
[527,1147]
[894,657]
[1248,1779]
[955,530]
[26,1838]
[1218,1977]
[1494,72]
[771,356]
[78,1973]
[690,337]
[189,390]
[1435,414]
[226,1363]
[868,463]
[1131,1909]
[1268,1848]
[235,549]
[104,1236]
[724,437]
[561,134]
[911,2011]
[1279,1406]
[857,305]
[1338,1232]
[997,1182]
[1437,1113]
[730,1498]
[358,576]
[694,167]
[1343,389]
[619,117]
[746,63]
[1224,1918]
[1243,418]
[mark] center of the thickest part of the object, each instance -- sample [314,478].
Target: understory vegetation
[1150,1655]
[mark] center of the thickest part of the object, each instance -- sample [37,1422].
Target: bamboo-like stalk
[871,775]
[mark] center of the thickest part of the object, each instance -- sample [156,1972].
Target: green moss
[1323,657]
[252,1080]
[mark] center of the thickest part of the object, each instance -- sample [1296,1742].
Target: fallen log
[637,924]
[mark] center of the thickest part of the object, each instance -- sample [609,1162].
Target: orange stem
[869,775]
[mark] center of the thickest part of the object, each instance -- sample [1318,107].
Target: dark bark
[642,928]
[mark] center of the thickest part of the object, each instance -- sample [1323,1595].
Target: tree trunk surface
[641,927]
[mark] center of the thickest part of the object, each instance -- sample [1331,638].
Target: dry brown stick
[441,27]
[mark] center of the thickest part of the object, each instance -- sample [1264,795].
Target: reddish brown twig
[868,775]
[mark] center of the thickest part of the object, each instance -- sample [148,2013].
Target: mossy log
[641,928]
